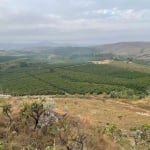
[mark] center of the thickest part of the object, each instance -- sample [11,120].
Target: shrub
[7,111]
[1,145]
[34,111]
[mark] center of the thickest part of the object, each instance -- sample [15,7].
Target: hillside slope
[102,124]
[135,50]
[140,50]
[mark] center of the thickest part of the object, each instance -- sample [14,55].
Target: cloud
[122,14]
[73,20]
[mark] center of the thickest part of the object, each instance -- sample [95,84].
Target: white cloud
[82,3]
[72,19]
[123,14]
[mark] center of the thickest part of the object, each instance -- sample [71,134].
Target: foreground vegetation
[37,126]
[29,123]
[42,79]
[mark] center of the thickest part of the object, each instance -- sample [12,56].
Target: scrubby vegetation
[36,125]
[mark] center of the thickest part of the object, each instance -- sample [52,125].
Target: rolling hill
[135,51]
[138,50]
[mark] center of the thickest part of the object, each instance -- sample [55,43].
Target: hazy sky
[74,21]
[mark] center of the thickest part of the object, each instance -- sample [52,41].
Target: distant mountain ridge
[136,50]
[140,50]
[17,46]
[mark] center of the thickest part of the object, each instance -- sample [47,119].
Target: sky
[74,21]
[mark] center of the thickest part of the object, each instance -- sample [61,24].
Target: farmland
[86,78]
[73,101]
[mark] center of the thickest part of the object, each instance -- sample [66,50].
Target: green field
[43,79]
[7,58]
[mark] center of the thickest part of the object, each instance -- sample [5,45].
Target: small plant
[7,111]
[1,145]
[101,130]
[70,134]
[141,135]
[114,132]
[49,148]
[49,105]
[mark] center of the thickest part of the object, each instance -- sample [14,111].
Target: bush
[1,145]
[34,111]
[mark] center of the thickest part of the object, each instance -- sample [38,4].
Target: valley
[58,98]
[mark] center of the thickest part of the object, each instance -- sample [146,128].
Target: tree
[34,111]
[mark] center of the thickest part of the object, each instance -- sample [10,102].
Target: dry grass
[96,110]
[100,111]
[24,135]
[131,66]
[92,110]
